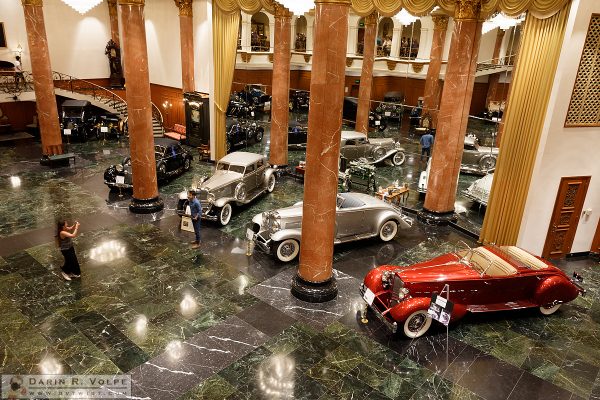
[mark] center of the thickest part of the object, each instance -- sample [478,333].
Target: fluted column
[186,35]
[314,281]
[43,83]
[453,114]
[114,21]
[366,76]
[280,87]
[139,109]
[432,82]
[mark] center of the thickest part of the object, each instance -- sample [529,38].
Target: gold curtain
[225,33]
[524,120]
[538,8]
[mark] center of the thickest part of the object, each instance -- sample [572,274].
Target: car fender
[373,278]
[555,289]
[403,309]
[388,154]
[287,234]
[222,201]
[268,173]
[386,215]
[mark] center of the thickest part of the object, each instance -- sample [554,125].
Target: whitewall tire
[271,183]
[388,230]
[225,214]
[549,310]
[287,250]
[398,158]
[417,324]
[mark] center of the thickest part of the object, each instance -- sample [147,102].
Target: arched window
[385,32]
[260,32]
[409,44]
[300,41]
[360,42]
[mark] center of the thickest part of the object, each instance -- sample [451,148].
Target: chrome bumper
[118,185]
[469,169]
[392,326]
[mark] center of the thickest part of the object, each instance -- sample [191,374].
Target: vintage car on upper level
[243,134]
[355,145]
[358,216]
[479,191]
[239,108]
[256,95]
[478,159]
[239,178]
[171,160]
[299,100]
[483,279]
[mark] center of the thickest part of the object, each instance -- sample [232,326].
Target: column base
[314,292]
[436,218]
[146,206]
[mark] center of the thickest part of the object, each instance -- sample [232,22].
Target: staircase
[69,86]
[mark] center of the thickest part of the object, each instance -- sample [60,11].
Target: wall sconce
[167,104]
[19,49]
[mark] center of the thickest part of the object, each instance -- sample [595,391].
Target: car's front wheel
[287,250]
[259,136]
[417,324]
[225,214]
[186,164]
[487,163]
[162,170]
[271,183]
[388,230]
[398,158]
[549,310]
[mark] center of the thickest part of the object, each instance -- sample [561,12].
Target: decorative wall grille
[584,108]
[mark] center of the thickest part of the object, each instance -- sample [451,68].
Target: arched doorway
[385,33]
[300,39]
[260,32]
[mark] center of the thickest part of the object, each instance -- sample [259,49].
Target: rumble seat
[480,260]
[528,259]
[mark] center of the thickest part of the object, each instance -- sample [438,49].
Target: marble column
[453,114]
[186,35]
[43,83]
[139,108]
[114,21]
[280,87]
[432,82]
[314,281]
[494,78]
[366,76]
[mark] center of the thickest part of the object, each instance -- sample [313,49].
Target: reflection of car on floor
[256,95]
[487,278]
[358,216]
[239,178]
[243,134]
[478,159]
[355,145]
[171,160]
[479,191]
[299,100]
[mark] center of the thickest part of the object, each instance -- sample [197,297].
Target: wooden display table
[393,194]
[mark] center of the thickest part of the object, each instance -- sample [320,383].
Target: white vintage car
[239,178]
[358,216]
[479,191]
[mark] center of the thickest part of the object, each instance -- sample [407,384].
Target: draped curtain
[533,78]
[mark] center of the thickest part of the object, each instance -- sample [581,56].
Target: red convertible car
[487,278]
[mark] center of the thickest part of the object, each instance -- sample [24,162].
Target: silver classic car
[478,159]
[355,145]
[358,216]
[239,178]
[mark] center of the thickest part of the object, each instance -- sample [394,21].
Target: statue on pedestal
[116,70]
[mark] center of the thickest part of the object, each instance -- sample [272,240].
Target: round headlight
[211,198]
[119,168]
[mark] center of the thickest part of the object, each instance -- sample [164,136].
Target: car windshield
[223,166]
[73,112]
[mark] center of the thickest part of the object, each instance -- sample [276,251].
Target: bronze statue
[114,59]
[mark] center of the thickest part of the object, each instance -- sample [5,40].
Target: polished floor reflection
[215,323]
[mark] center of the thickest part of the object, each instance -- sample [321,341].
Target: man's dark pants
[196,223]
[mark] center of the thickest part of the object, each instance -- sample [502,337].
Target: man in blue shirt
[426,143]
[196,211]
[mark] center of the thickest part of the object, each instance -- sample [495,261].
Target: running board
[511,305]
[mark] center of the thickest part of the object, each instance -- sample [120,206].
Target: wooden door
[565,217]
[596,242]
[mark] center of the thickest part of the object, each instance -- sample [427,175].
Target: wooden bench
[178,132]
[58,159]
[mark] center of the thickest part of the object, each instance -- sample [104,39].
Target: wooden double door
[566,215]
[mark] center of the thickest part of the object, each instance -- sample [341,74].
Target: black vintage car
[299,100]
[257,96]
[78,120]
[108,126]
[242,134]
[392,106]
[376,121]
[171,160]
[239,108]
[297,135]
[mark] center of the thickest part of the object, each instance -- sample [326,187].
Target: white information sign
[377,123]
[67,132]
[387,113]
[104,129]
[369,296]
[267,105]
[120,180]
[106,152]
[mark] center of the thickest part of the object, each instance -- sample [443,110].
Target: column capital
[185,7]
[372,18]
[37,3]
[467,9]
[440,22]
[112,5]
[132,2]
[281,11]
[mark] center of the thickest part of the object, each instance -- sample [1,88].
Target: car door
[350,150]
[250,177]
[260,173]
[349,222]
[171,158]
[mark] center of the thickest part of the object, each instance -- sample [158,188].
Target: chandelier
[501,21]
[298,7]
[82,6]
[405,18]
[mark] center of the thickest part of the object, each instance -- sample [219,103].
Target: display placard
[104,129]
[106,152]
[377,123]
[387,113]
[252,113]
[369,296]
[120,179]
[440,309]
[267,105]
[67,132]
